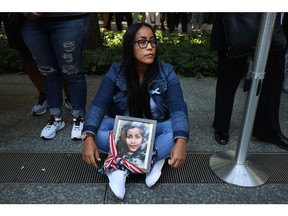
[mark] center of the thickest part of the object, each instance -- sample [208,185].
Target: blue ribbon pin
[156,91]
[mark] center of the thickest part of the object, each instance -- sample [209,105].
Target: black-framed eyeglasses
[144,43]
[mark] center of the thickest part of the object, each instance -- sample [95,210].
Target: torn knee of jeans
[69,46]
[45,70]
[70,69]
[68,57]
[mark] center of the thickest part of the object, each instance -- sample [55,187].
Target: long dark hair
[138,95]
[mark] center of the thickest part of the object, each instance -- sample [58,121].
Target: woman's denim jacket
[165,90]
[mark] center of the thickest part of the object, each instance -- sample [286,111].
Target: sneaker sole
[39,114]
[76,138]
[49,138]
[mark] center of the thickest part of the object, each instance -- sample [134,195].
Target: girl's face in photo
[134,139]
[142,54]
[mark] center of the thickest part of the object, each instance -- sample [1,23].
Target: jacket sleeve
[101,102]
[177,106]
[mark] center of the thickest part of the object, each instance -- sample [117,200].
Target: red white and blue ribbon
[114,160]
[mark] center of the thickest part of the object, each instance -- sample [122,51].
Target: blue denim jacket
[165,90]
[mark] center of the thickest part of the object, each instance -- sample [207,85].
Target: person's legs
[119,18]
[163,143]
[30,67]
[267,116]
[38,42]
[67,40]
[15,40]
[135,17]
[230,72]
[148,17]
[266,125]
[102,137]
[117,178]
[183,17]
[164,139]
[129,18]
[157,19]
[171,21]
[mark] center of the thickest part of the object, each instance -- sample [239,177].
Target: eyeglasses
[144,43]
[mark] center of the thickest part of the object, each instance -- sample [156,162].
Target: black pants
[173,20]
[231,71]
[120,18]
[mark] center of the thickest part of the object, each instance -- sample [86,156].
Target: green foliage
[10,60]
[188,53]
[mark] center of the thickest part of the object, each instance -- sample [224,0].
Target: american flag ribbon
[114,160]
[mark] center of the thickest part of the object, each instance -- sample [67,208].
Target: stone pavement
[20,133]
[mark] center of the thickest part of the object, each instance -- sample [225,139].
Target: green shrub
[10,60]
[188,53]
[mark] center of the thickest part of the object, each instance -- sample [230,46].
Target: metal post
[237,168]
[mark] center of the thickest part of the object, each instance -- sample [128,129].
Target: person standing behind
[230,72]
[120,17]
[12,29]
[153,18]
[139,86]
[56,41]
[173,21]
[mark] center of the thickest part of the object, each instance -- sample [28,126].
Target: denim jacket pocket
[120,99]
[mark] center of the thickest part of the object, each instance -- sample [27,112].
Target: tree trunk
[94,39]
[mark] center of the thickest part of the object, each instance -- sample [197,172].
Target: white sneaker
[117,181]
[54,125]
[155,173]
[77,128]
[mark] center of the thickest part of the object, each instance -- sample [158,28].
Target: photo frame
[134,139]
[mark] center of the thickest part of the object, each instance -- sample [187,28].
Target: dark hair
[138,96]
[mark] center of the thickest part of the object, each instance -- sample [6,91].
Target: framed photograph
[134,138]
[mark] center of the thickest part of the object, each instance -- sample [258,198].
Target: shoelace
[41,99]
[77,122]
[52,121]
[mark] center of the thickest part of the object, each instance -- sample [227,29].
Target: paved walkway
[20,133]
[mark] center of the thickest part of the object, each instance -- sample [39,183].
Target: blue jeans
[57,47]
[163,137]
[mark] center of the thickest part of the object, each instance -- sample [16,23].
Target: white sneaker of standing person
[77,128]
[117,181]
[53,125]
[155,173]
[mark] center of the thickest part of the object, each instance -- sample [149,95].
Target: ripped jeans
[57,47]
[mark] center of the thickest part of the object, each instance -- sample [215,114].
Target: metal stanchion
[238,168]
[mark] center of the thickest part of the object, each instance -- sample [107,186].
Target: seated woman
[138,86]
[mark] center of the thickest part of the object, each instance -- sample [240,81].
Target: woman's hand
[90,152]
[178,153]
